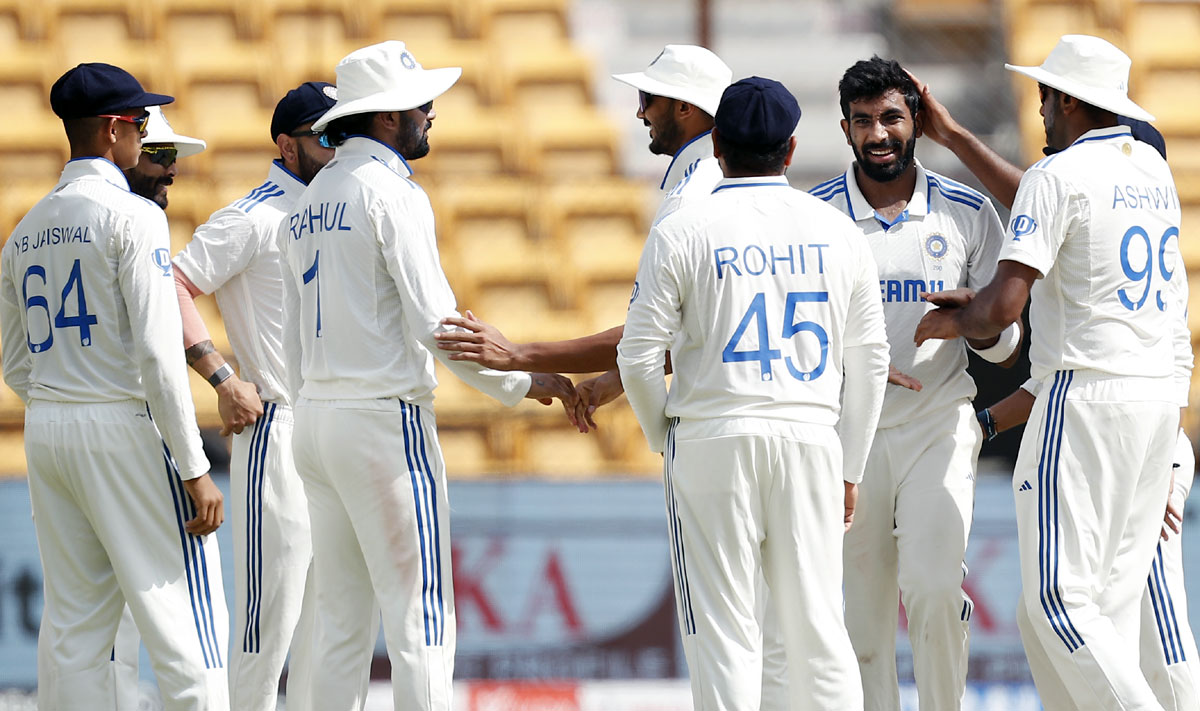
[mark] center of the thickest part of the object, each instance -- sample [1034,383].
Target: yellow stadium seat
[542,75]
[1189,237]
[606,302]
[520,20]
[601,226]
[455,399]
[1170,94]
[560,451]
[465,449]
[12,452]
[138,17]
[469,143]
[247,17]
[106,37]
[571,142]
[475,88]
[1036,28]
[205,47]
[406,19]
[1164,33]
[28,19]
[352,15]
[309,45]
[523,313]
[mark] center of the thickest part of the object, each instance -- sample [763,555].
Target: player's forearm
[1000,177]
[641,367]
[590,354]
[1013,410]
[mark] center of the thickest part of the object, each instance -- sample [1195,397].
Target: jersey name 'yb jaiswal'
[318,217]
[753,260]
[69,234]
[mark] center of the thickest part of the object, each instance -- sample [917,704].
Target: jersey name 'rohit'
[755,260]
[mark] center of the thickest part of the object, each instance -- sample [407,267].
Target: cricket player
[121,497]
[915,504]
[766,297]
[235,255]
[365,294]
[677,97]
[1100,258]
[1168,648]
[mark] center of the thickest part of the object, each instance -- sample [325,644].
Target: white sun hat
[385,77]
[684,72]
[1091,70]
[158,130]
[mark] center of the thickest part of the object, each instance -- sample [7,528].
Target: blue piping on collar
[750,185]
[675,157]
[283,167]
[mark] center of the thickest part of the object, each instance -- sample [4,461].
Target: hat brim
[641,82]
[148,99]
[419,88]
[1114,101]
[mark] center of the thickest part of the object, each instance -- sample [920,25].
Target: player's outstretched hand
[210,505]
[238,404]
[478,342]
[547,386]
[904,380]
[598,391]
[936,121]
[851,503]
[952,299]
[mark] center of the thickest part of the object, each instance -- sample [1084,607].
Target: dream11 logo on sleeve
[1021,226]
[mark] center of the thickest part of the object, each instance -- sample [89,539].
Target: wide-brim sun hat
[1091,70]
[684,72]
[158,130]
[385,77]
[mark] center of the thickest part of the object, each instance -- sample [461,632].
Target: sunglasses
[644,100]
[138,121]
[162,155]
[322,137]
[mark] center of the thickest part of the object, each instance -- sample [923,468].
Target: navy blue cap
[304,104]
[1145,133]
[96,88]
[757,112]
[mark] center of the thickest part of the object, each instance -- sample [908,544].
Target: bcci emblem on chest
[936,246]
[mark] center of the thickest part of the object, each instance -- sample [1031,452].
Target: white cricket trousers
[909,537]
[376,486]
[1090,487]
[109,510]
[272,552]
[1168,649]
[749,497]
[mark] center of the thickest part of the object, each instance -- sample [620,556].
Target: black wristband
[220,375]
[988,423]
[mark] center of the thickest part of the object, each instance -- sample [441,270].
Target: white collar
[77,168]
[699,148]
[366,146]
[290,182]
[1103,134]
[860,209]
[753,181]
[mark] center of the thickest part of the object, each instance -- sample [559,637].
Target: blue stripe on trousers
[437,532]
[1164,611]
[418,498]
[1049,590]
[255,476]
[683,589]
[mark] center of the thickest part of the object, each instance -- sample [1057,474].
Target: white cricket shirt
[1100,223]
[692,174]
[756,291]
[362,263]
[948,237]
[236,256]
[88,305]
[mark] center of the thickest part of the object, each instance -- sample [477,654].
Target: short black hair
[753,160]
[341,128]
[874,77]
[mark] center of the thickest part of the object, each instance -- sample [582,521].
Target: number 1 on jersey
[313,274]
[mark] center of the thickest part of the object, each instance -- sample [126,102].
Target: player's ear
[846,131]
[918,124]
[287,148]
[685,109]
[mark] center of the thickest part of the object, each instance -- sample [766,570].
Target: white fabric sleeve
[17,361]
[154,323]
[1036,231]
[220,249]
[986,240]
[405,233]
[1032,386]
[293,350]
[864,368]
[1010,341]
[653,320]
